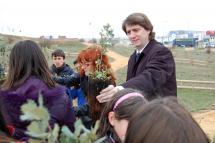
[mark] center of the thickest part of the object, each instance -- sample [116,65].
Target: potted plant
[103,75]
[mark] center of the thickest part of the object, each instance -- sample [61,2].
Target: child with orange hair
[91,60]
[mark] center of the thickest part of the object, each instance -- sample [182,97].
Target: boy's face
[58,61]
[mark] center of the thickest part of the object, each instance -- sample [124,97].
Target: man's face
[58,61]
[138,35]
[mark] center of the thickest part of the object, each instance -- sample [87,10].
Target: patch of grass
[69,46]
[121,75]
[123,50]
[193,72]
[195,100]
[189,71]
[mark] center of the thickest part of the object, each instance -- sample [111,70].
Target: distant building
[211,38]
[46,37]
[180,34]
[61,37]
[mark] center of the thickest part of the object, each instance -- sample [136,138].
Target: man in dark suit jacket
[151,68]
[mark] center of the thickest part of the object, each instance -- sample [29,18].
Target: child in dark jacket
[62,73]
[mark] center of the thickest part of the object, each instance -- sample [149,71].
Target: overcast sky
[85,18]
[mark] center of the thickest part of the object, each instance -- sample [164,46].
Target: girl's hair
[92,54]
[26,59]
[164,121]
[123,103]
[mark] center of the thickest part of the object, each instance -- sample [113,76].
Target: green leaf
[34,141]
[54,134]
[37,136]
[96,127]
[40,100]
[81,135]
[65,130]
[28,109]
[100,140]
[33,112]
[39,117]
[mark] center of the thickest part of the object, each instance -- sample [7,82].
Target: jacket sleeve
[62,112]
[156,73]
[67,80]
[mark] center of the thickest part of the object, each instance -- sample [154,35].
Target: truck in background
[185,42]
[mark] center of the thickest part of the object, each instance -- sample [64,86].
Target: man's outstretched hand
[107,93]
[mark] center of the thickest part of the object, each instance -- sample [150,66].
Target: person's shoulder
[157,44]
[67,68]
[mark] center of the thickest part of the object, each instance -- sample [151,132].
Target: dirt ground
[206,120]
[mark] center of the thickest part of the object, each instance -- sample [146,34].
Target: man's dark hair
[58,53]
[139,19]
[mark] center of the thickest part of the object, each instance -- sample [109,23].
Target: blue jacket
[74,93]
[55,100]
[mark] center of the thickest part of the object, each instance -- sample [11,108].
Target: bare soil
[206,120]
